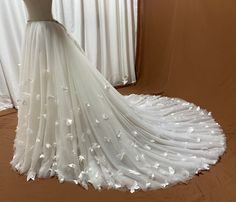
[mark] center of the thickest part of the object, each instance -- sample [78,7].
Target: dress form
[39,10]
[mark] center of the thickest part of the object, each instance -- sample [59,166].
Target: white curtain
[105,29]
[12,24]
[5,100]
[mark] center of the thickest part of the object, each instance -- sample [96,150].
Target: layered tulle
[73,124]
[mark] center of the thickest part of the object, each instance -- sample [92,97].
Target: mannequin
[39,10]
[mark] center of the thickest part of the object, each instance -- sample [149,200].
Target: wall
[187,49]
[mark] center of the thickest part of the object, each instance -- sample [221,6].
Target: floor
[216,185]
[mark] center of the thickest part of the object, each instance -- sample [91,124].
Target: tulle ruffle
[73,124]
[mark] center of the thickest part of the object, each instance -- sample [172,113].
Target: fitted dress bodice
[39,10]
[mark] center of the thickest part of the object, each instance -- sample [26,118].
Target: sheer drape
[12,23]
[105,29]
[5,101]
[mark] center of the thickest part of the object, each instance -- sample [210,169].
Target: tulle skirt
[73,124]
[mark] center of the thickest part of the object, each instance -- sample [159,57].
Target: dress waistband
[50,20]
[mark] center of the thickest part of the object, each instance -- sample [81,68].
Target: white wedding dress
[73,124]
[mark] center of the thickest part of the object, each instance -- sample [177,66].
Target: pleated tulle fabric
[73,124]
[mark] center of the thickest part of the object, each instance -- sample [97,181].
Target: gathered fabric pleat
[73,124]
